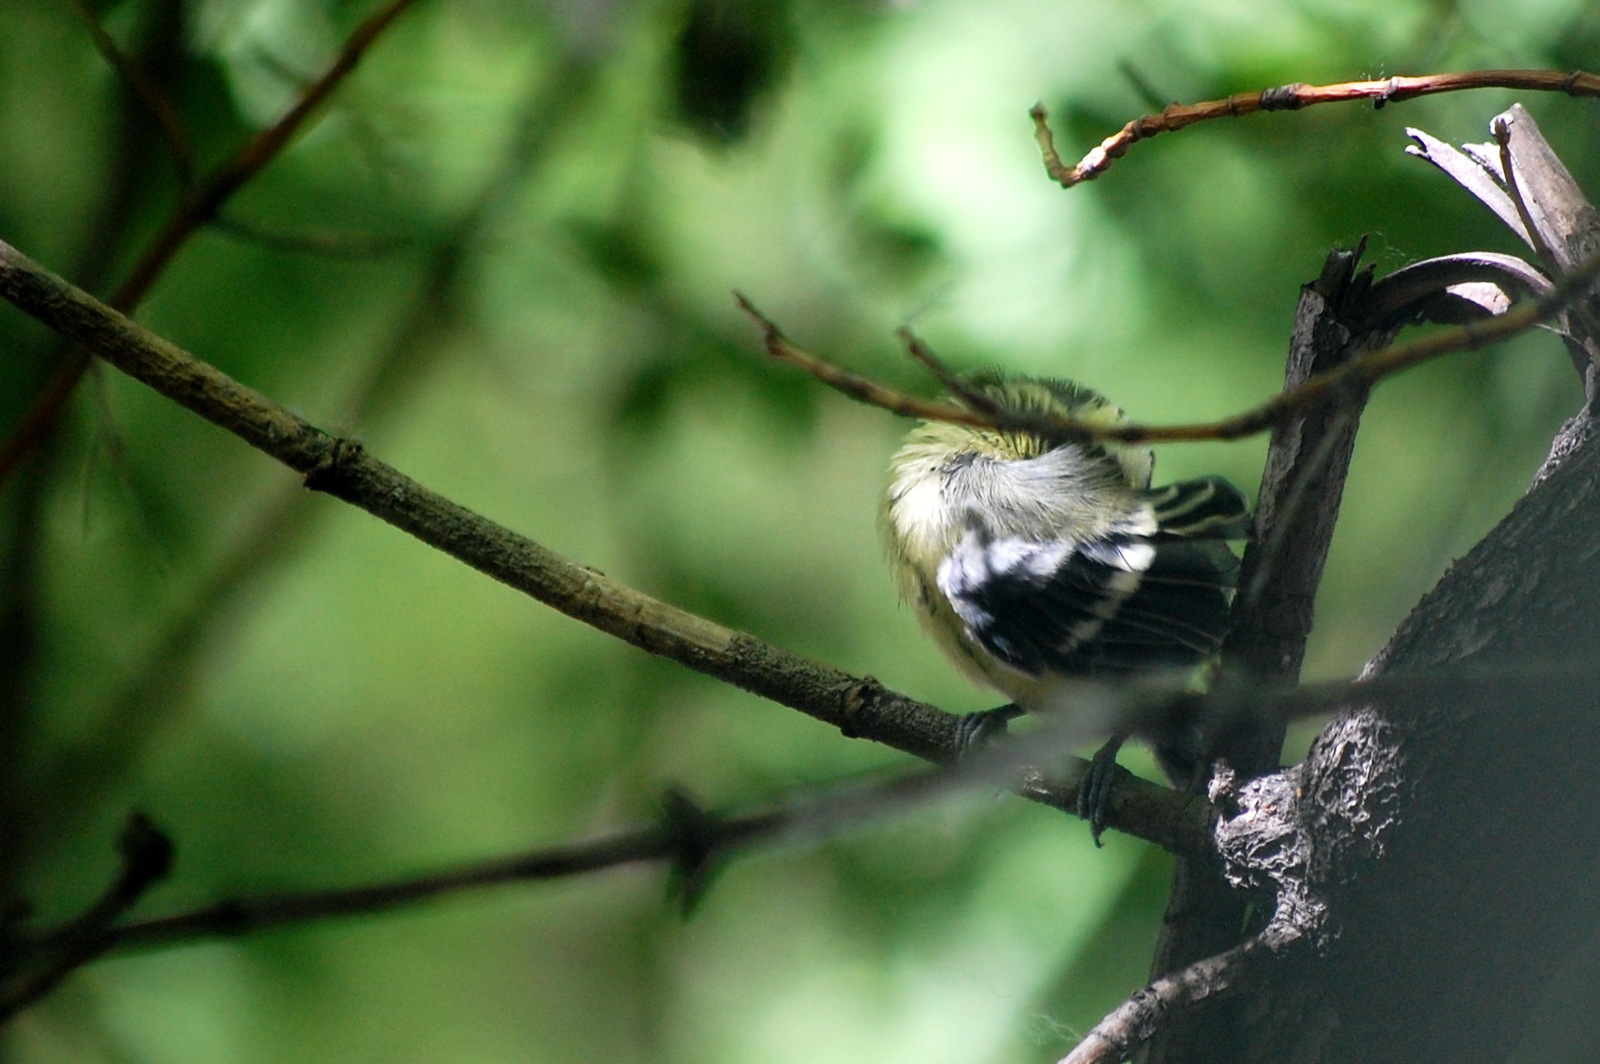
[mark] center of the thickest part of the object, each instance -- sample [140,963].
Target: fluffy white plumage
[1033,559]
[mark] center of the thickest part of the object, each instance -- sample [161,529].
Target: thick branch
[860,707]
[1440,845]
[1297,506]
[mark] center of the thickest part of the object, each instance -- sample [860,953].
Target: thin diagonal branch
[155,692]
[196,210]
[217,187]
[856,386]
[858,706]
[1358,373]
[690,837]
[1291,97]
[1133,1024]
[693,839]
[150,95]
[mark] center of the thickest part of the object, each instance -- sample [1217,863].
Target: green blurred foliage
[502,257]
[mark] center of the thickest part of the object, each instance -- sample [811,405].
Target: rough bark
[1443,849]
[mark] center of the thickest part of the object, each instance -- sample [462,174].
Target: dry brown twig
[1359,372]
[953,381]
[857,387]
[1291,97]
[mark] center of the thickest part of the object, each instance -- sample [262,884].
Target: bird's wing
[1203,508]
[1127,602]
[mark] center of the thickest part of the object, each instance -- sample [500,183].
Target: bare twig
[197,209]
[1359,372]
[1508,172]
[690,837]
[219,186]
[1142,1016]
[854,385]
[954,383]
[242,915]
[146,858]
[149,94]
[1292,97]
[695,840]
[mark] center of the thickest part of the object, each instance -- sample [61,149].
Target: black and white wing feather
[1203,508]
[1130,601]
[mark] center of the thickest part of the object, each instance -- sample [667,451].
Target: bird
[1037,558]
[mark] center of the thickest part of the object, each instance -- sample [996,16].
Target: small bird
[1036,559]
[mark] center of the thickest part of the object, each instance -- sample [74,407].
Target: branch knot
[339,456]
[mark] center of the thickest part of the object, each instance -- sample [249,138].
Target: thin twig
[1362,371]
[688,836]
[854,385]
[243,915]
[80,943]
[978,410]
[197,209]
[149,94]
[1371,368]
[146,858]
[1508,173]
[1142,1016]
[217,187]
[1291,97]
[952,381]
[695,840]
